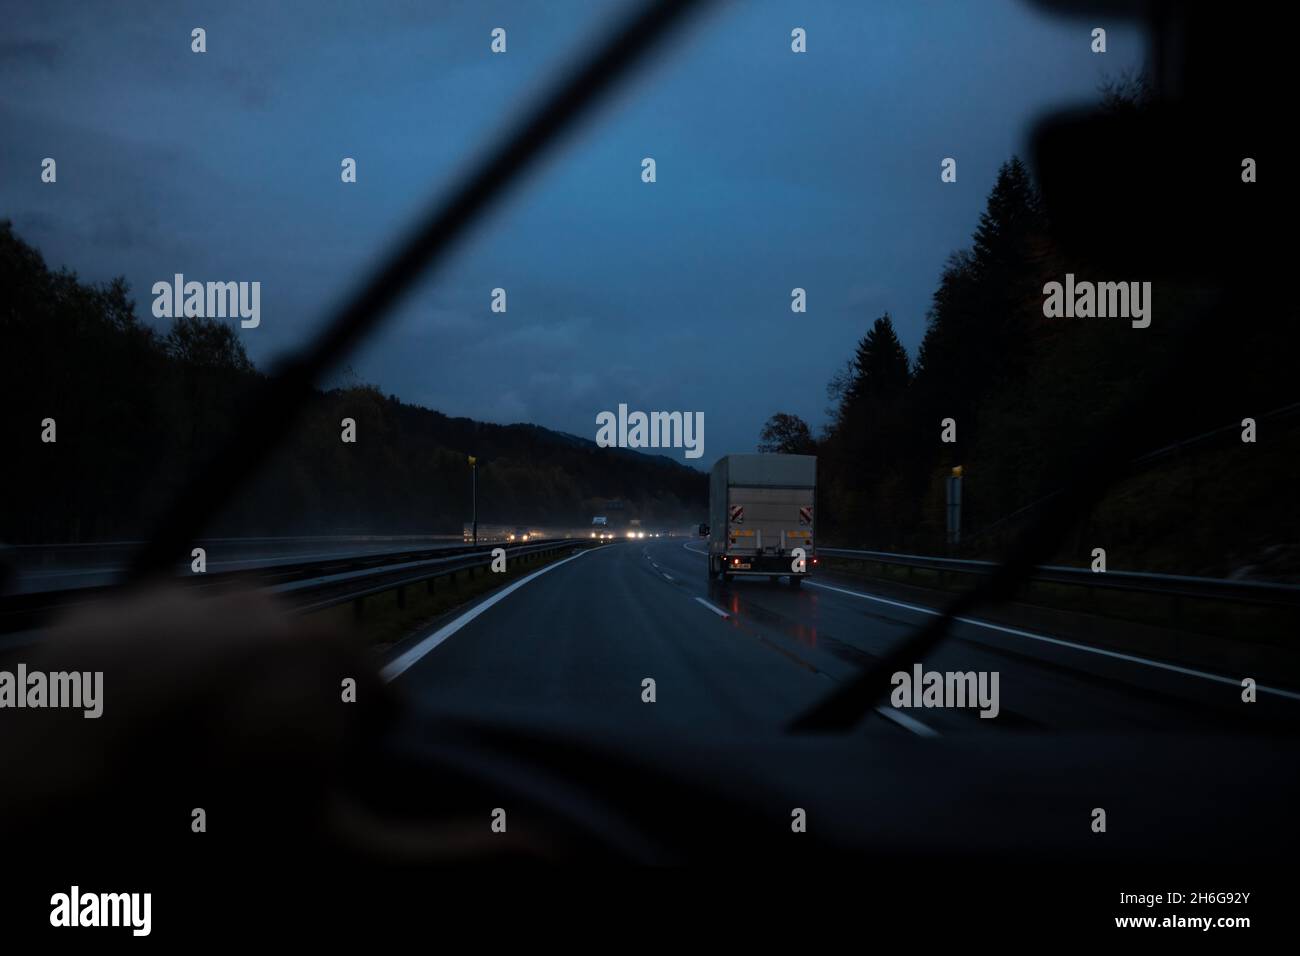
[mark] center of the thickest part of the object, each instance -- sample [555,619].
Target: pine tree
[880,364]
[988,304]
[1009,221]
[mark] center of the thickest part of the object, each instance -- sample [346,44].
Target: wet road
[581,637]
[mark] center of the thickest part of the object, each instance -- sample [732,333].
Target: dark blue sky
[775,170]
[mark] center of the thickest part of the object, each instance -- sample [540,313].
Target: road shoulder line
[906,722]
[1018,632]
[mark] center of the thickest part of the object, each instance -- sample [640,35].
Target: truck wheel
[796,581]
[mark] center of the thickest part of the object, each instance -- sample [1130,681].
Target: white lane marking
[716,610]
[687,547]
[909,723]
[1131,658]
[395,668]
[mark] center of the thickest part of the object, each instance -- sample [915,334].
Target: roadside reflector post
[473,492]
[954,506]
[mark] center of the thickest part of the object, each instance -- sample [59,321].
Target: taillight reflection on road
[807,636]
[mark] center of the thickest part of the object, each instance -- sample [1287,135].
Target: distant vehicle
[704,530]
[600,528]
[762,506]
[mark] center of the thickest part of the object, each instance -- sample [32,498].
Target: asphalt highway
[582,636]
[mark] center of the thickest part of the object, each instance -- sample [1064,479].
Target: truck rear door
[769,521]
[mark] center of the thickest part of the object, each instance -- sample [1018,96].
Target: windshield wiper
[1190,223]
[277,406]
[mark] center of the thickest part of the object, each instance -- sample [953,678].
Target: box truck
[761,516]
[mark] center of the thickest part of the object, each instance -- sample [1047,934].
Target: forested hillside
[1027,392]
[135,409]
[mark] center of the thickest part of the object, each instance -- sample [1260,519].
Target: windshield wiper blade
[1205,69]
[279,404]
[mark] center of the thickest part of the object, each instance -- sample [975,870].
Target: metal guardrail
[29,556]
[308,586]
[1217,589]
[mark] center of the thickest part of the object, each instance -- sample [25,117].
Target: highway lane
[839,624]
[580,638]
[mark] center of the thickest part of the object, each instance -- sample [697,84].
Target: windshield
[725,372]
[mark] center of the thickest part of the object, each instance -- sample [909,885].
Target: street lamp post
[473,484]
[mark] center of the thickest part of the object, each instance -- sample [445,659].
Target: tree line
[1025,392]
[136,410]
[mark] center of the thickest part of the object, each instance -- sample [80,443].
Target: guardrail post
[428,586]
[357,606]
[401,597]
